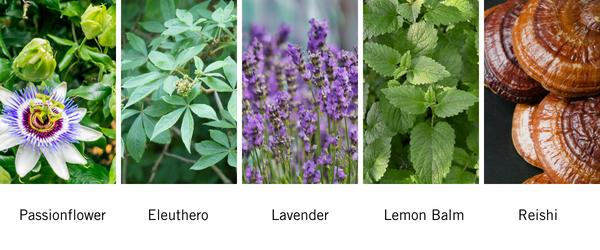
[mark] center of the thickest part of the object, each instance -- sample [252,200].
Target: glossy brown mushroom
[539,179]
[503,74]
[522,129]
[566,137]
[557,42]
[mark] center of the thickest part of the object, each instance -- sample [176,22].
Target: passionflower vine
[42,121]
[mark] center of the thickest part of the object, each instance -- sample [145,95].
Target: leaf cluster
[421,91]
[196,46]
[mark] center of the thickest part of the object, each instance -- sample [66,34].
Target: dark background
[502,162]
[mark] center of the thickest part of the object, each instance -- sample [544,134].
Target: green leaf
[126,113]
[232,159]
[220,124]
[379,17]
[67,58]
[410,11]
[187,129]
[231,73]
[411,99]
[198,63]
[149,124]
[188,54]
[137,43]
[112,175]
[431,151]
[449,57]
[473,141]
[453,101]
[51,4]
[62,41]
[161,61]
[458,176]
[102,59]
[208,160]
[210,148]
[216,65]
[461,156]
[94,92]
[169,85]
[398,176]
[426,70]
[216,84]
[142,91]
[89,174]
[71,9]
[473,113]
[444,15]
[142,79]
[136,140]
[167,121]
[185,17]
[204,111]
[381,58]
[219,137]
[465,7]
[175,100]
[377,127]
[167,8]
[153,26]
[158,108]
[396,120]
[4,176]
[421,39]
[110,133]
[376,158]
[232,105]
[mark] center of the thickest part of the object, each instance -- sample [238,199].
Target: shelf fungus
[503,73]
[566,137]
[522,129]
[539,179]
[557,42]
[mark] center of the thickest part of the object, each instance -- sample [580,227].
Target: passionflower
[94,21]
[42,121]
[36,61]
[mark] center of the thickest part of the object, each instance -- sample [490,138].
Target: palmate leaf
[136,140]
[379,17]
[431,151]
[219,137]
[137,43]
[167,121]
[149,124]
[142,91]
[208,160]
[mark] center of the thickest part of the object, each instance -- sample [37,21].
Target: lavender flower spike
[317,34]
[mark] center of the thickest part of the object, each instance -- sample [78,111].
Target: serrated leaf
[379,17]
[219,137]
[187,129]
[458,176]
[431,151]
[473,141]
[204,111]
[208,160]
[473,113]
[452,102]
[444,15]
[167,121]
[422,38]
[377,127]
[376,158]
[210,147]
[397,176]
[136,140]
[381,58]
[410,11]
[466,9]
[426,70]
[396,120]
[411,99]
[449,57]
[461,156]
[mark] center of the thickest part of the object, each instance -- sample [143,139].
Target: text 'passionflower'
[42,121]
[36,61]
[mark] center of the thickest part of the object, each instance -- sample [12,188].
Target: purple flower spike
[253,130]
[311,174]
[339,175]
[283,33]
[317,34]
[253,175]
[307,122]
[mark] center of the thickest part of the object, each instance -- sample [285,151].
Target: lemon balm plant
[421,91]
[179,92]
[57,72]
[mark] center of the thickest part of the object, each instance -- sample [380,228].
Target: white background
[240,216]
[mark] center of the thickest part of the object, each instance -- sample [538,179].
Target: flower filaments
[42,122]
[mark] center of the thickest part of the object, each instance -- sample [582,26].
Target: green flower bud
[36,61]
[94,21]
[184,87]
[108,38]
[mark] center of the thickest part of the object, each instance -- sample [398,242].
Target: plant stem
[160,158]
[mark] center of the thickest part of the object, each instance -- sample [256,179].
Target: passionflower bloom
[36,61]
[94,21]
[42,121]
